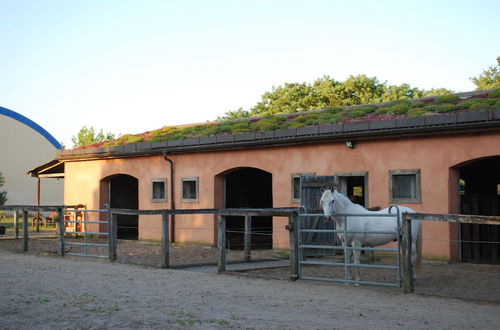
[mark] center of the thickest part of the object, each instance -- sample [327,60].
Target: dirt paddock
[471,282]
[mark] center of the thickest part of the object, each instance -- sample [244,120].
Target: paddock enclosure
[441,163]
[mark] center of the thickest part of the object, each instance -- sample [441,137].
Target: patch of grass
[446,99]
[481,107]
[416,112]
[361,111]
[418,104]
[494,94]
[268,123]
[440,108]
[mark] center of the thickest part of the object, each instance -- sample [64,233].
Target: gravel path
[56,293]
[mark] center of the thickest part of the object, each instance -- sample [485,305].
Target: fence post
[60,222]
[407,269]
[112,228]
[293,241]
[248,238]
[221,243]
[16,224]
[165,243]
[25,231]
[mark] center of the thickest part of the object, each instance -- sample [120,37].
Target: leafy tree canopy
[3,194]
[328,92]
[88,136]
[489,79]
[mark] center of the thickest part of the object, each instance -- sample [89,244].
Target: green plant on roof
[484,106]
[241,127]
[440,108]
[360,112]
[418,104]
[397,107]
[268,123]
[446,99]
[494,94]
[331,118]
[416,112]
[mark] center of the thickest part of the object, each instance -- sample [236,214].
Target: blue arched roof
[32,124]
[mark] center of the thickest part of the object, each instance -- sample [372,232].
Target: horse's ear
[323,189]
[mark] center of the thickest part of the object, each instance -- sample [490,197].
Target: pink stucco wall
[434,156]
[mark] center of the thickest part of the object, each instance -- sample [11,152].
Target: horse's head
[327,203]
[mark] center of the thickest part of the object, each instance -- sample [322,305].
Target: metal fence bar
[85,244]
[333,247]
[85,221]
[87,233]
[86,255]
[349,281]
[329,263]
[350,232]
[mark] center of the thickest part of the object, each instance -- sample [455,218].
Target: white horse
[334,203]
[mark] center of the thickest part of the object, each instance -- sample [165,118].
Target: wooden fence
[407,270]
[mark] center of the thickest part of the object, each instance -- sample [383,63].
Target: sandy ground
[74,293]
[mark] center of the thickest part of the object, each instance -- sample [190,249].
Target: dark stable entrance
[353,187]
[480,194]
[249,188]
[124,194]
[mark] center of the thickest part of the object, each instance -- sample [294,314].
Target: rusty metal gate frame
[346,264]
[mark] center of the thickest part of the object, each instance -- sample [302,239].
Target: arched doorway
[121,191]
[252,188]
[480,194]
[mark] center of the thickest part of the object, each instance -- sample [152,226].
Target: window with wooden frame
[190,189]
[158,190]
[296,186]
[404,186]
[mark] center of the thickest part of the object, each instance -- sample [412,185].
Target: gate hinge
[289,227]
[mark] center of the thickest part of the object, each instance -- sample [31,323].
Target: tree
[87,136]
[327,92]
[489,79]
[3,194]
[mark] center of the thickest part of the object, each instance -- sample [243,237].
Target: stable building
[435,155]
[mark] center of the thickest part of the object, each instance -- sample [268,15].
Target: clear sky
[134,66]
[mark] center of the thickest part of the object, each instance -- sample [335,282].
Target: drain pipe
[172,197]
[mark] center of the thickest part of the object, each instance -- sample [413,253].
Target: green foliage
[439,108]
[494,94]
[396,107]
[87,136]
[3,194]
[268,123]
[446,99]
[416,112]
[468,103]
[328,93]
[418,104]
[360,112]
[489,78]
[483,106]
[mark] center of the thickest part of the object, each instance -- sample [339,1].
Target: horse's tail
[419,251]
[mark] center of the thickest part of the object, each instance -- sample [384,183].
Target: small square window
[189,189]
[159,190]
[404,186]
